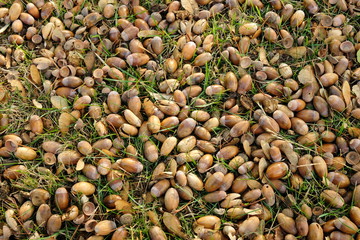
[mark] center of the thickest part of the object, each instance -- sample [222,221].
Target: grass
[225,32]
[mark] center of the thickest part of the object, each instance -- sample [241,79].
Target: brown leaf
[356,90]
[346,92]
[173,224]
[37,104]
[190,5]
[59,102]
[148,33]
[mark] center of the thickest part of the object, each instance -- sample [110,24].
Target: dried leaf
[37,104]
[346,92]
[253,212]
[148,33]
[306,75]
[59,102]
[161,96]
[266,148]
[247,147]
[57,34]
[35,75]
[173,224]
[190,5]
[291,155]
[263,164]
[16,85]
[358,56]
[80,165]
[356,90]
[295,52]
[3,29]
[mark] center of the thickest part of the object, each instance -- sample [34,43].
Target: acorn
[195,182]
[53,224]
[336,103]
[227,152]
[339,235]
[14,172]
[345,225]
[25,153]
[171,199]
[248,28]
[130,165]
[202,59]
[104,227]
[302,225]
[39,196]
[287,223]
[315,232]
[69,157]
[15,11]
[156,233]
[332,198]
[277,170]
[26,211]
[62,198]
[188,50]
[269,124]
[250,225]
[43,214]
[71,213]
[329,79]
[297,18]
[85,188]
[160,188]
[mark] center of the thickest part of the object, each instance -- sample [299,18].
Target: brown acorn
[250,225]
[43,214]
[104,227]
[336,103]
[14,172]
[297,18]
[315,232]
[195,182]
[156,233]
[216,196]
[130,165]
[39,196]
[302,225]
[345,225]
[332,198]
[26,211]
[53,224]
[214,182]
[277,170]
[62,198]
[160,188]
[85,188]
[171,199]
[248,28]
[25,153]
[287,223]
[240,128]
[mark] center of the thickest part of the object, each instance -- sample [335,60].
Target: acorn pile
[186,113]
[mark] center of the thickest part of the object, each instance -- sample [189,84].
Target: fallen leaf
[3,29]
[59,102]
[173,224]
[358,56]
[356,90]
[346,91]
[148,33]
[80,165]
[190,5]
[37,104]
